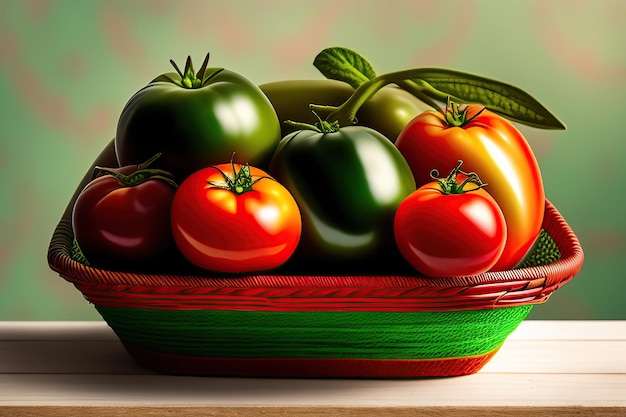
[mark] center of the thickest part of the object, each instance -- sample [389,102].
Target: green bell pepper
[348,183]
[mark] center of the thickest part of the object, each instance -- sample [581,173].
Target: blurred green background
[67,68]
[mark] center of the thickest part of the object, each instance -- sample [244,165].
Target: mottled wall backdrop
[68,67]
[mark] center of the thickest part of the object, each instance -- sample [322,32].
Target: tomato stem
[187,78]
[146,164]
[140,175]
[238,181]
[449,184]
[321,126]
[456,115]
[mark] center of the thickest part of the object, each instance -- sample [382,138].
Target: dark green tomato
[348,185]
[387,112]
[198,126]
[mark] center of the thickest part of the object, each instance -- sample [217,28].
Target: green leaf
[502,98]
[343,64]
[439,84]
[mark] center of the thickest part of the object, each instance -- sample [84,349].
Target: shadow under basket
[314,326]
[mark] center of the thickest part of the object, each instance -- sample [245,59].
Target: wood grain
[555,368]
[311,412]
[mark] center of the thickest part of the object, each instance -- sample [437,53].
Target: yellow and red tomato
[492,147]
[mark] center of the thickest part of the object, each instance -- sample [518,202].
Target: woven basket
[314,326]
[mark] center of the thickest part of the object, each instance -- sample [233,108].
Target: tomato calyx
[457,116]
[237,181]
[188,78]
[321,126]
[142,174]
[449,184]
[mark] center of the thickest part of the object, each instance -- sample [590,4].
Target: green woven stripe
[369,335]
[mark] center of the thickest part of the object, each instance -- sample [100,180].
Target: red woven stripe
[270,299]
[306,368]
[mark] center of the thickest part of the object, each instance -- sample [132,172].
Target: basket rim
[524,285]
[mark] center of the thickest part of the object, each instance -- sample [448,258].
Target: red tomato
[235,218]
[450,228]
[122,218]
[491,146]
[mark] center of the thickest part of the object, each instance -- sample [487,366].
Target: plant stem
[414,88]
[345,114]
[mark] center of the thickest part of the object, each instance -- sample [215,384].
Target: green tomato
[348,184]
[387,112]
[198,120]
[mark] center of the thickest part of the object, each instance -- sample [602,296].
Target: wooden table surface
[554,368]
